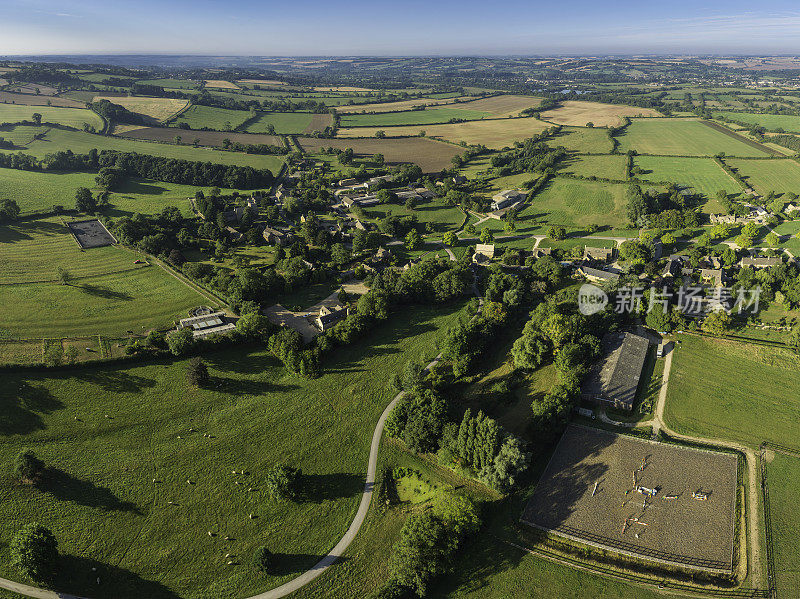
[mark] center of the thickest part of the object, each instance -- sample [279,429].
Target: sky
[410,27]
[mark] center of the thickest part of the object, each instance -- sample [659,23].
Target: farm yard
[71,117]
[595,490]
[780,176]
[576,112]
[146,535]
[431,156]
[495,134]
[682,137]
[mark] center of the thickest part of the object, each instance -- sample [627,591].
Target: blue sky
[360,27]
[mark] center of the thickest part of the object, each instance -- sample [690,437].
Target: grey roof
[596,273]
[615,379]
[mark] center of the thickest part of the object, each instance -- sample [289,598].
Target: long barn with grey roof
[614,380]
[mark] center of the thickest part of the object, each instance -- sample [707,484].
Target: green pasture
[609,166]
[219,119]
[71,117]
[702,175]
[80,143]
[582,140]
[284,122]
[35,191]
[770,122]
[681,137]
[440,215]
[108,433]
[758,380]
[783,478]
[412,117]
[577,203]
[778,175]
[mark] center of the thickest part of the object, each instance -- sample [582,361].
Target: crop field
[71,117]
[607,167]
[220,84]
[431,156]
[412,117]
[158,109]
[220,119]
[582,140]
[34,100]
[503,106]
[41,191]
[80,143]
[702,175]
[759,380]
[681,137]
[780,176]
[588,492]
[495,134]
[576,203]
[21,135]
[290,122]
[151,539]
[205,138]
[576,112]
[771,122]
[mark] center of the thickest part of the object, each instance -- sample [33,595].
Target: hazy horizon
[445,28]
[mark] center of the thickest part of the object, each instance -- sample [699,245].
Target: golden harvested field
[395,106]
[495,134]
[159,109]
[503,106]
[34,100]
[576,112]
[221,84]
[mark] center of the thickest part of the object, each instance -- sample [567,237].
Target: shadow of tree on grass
[21,407]
[316,488]
[80,576]
[66,487]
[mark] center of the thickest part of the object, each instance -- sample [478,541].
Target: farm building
[329,316]
[276,236]
[484,252]
[595,275]
[614,380]
[506,198]
[205,325]
[599,254]
[757,262]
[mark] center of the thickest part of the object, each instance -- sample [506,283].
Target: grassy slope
[41,191]
[284,122]
[757,402]
[258,414]
[681,138]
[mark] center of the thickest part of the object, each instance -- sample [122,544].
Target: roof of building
[760,262]
[596,273]
[616,378]
[487,249]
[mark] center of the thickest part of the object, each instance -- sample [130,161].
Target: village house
[595,275]
[597,254]
[329,316]
[277,237]
[712,276]
[484,252]
[759,262]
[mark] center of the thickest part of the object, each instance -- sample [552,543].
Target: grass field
[494,134]
[783,478]
[576,112]
[780,176]
[31,251]
[702,175]
[759,380]
[110,513]
[768,121]
[577,203]
[582,139]
[444,218]
[71,117]
[392,106]
[289,122]
[81,143]
[41,191]
[432,156]
[34,100]
[606,167]
[681,137]
[205,138]
[412,117]
[158,109]
[503,106]
[219,119]
[171,83]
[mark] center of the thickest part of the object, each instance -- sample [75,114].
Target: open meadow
[495,134]
[157,109]
[204,138]
[583,140]
[780,176]
[289,122]
[71,117]
[41,191]
[701,175]
[576,112]
[210,117]
[395,106]
[682,137]
[412,117]
[34,100]
[771,122]
[152,539]
[759,380]
[609,166]
[577,203]
[783,478]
